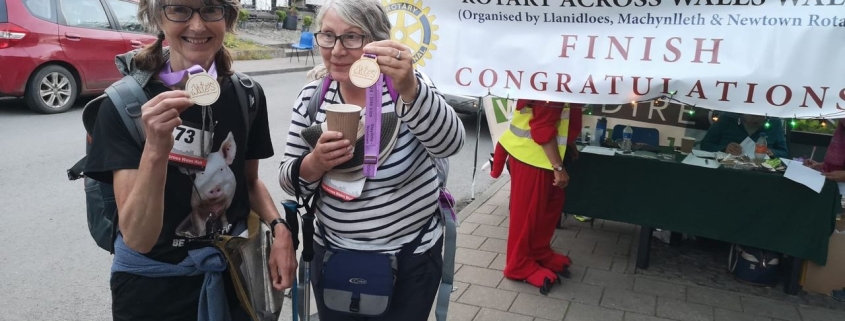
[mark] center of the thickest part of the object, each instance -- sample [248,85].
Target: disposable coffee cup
[344,118]
[686,144]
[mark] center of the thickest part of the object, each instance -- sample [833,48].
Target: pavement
[604,286]
[277,65]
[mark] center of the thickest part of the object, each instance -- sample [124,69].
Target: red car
[53,51]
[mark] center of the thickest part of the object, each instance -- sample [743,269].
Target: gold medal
[203,88]
[364,72]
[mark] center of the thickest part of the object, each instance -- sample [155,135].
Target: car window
[42,9]
[85,14]
[127,15]
[4,16]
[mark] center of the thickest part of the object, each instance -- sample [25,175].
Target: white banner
[779,58]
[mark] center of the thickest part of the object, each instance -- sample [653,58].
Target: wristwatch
[276,222]
[557,168]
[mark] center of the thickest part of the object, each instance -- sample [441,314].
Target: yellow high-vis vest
[518,142]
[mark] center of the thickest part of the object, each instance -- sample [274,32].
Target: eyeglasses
[177,13]
[347,40]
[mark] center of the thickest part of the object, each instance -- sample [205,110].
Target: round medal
[364,72]
[203,88]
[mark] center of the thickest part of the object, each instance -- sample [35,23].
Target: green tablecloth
[752,208]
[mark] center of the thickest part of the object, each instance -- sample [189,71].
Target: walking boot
[558,263]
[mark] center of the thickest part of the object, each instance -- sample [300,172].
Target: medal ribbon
[372,126]
[171,78]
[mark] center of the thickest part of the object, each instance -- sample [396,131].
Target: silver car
[463,104]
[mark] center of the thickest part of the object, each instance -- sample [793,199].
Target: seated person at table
[833,166]
[727,133]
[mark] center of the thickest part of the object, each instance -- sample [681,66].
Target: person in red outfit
[541,135]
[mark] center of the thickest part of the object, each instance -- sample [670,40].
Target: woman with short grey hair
[389,212]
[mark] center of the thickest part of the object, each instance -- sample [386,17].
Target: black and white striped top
[402,198]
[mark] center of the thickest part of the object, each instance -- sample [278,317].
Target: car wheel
[52,90]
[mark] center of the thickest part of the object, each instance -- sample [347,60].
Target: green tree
[243,15]
[812,126]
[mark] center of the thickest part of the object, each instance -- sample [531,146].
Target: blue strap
[213,305]
[449,247]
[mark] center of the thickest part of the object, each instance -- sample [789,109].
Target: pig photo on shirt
[213,191]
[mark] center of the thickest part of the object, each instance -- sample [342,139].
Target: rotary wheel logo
[413,27]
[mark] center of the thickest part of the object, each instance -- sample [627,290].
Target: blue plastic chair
[306,43]
[642,135]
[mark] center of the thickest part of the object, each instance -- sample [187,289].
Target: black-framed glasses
[347,40]
[179,13]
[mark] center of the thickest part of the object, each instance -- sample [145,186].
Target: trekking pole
[478,114]
[305,263]
[292,217]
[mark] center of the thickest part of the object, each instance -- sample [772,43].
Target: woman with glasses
[168,209]
[398,206]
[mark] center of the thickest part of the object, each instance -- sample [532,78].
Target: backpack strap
[248,97]
[447,279]
[75,172]
[317,98]
[128,97]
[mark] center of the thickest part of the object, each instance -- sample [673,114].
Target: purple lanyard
[171,78]
[372,126]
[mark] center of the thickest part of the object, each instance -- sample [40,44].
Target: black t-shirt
[195,203]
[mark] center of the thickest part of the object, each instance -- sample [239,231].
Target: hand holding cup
[344,118]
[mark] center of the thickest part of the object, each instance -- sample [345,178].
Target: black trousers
[413,295]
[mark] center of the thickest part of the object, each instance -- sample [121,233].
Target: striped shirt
[402,199]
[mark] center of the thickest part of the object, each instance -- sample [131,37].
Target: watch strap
[278,221]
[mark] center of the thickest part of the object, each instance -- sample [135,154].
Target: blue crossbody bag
[361,283]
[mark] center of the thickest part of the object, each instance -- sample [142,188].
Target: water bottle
[601,127]
[761,149]
[627,135]
[585,135]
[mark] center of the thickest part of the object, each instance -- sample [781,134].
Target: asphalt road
[50,268]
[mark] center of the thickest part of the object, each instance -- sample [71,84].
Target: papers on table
[703,154]
[599,150]
[805,176]
[645,154]
[698,161]
[748,147]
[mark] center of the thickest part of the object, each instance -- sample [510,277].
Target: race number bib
[187,146]
[343,186]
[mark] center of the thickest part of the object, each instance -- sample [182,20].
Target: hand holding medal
[201,85]
[396,61]
[160,116]
[163,120]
